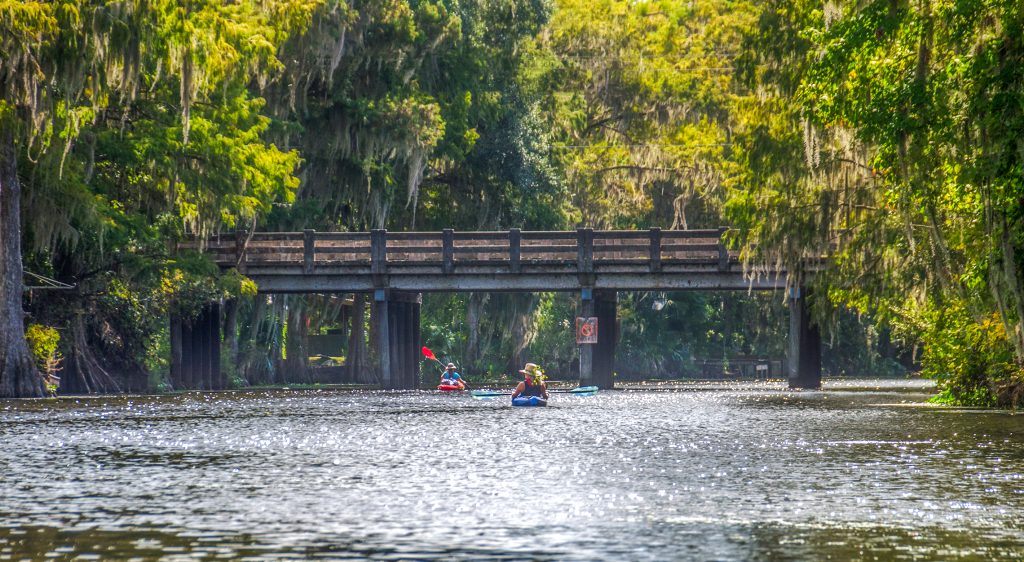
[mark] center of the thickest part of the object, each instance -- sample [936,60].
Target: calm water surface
[865,470]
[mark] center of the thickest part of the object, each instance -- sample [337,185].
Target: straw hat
[451,366]
[530,369]
[533,371]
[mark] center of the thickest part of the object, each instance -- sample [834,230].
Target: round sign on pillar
[586,329]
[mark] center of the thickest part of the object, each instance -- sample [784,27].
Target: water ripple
[715,471]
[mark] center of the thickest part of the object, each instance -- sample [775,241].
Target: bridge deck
[513,260]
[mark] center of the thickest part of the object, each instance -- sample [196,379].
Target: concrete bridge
[397,267]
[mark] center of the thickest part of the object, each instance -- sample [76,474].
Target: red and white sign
[586,329]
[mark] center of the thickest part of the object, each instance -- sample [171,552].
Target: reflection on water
[706,471]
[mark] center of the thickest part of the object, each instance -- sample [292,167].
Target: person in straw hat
[451,377]
[532,383]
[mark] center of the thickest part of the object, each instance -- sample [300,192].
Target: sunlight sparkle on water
[710,470]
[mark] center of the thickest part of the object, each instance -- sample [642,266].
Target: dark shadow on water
[49,543]
[698,540]
[784,542]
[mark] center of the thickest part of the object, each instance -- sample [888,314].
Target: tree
[643,110]
[28,34]
[906,111]
[161,90]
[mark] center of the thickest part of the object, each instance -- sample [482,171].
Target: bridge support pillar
[198,341]
[605,309]
[597,361]
[804,343]
[201,347]
[218,378]
[184,377]
[396,316]
[586,350]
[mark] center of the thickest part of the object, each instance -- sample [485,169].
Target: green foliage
[973,362]
[671,334]
[882,135]
[142,124]
[641,108]
[157,354]
[554,342]
[878,135]
[43,342]
[443,330]
[233,285]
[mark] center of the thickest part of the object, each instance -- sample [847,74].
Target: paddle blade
[584,390]
[428,354]
[488,394]
[578,391]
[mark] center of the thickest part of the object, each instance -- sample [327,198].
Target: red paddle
[430,355]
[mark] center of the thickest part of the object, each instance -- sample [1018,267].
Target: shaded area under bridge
[397,267]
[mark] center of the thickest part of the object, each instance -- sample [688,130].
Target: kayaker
[532,383]
[451,377]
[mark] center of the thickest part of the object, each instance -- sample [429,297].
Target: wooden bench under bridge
[397,267]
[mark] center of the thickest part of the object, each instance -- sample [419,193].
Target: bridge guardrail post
[308,250]
[723,252]
[515,237]
[378,252]
[448,251]
[655,265]
[585,255]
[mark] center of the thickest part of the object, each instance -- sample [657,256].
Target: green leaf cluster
[907,118]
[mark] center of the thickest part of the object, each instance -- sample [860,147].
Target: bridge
[397,267]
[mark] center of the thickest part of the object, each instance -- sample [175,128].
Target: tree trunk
[474,309]
[85,372]
[175,370]
[19,376]
[518,340]
[296,365]
[231,331]
[1012,281]
[278,342]
[355,361]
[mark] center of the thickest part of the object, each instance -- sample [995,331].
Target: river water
[864,470]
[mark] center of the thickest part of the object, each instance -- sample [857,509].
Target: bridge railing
[378,250]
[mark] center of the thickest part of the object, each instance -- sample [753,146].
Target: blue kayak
[529,401]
